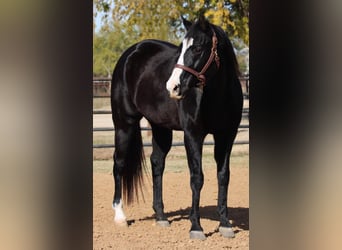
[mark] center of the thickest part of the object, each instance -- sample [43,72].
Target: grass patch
[178,163]
[102,140]
[103,167]
[101,103]
[176,160]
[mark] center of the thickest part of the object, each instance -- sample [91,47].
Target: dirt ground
[142,232]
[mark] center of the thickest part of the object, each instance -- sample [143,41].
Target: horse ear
[204,24]
[187,24]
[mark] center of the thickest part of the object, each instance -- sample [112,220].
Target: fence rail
[174,144]
[106,129]
[101,89]
[245,112]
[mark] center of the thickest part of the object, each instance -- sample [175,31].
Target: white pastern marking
[119,213]
[174,79]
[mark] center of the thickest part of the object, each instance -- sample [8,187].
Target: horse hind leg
[118,168]
[161,142]
[128,157]
[119,217]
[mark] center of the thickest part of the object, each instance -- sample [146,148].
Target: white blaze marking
[174,79]
[119,213]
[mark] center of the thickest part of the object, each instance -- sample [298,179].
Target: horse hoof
[122,223]
[163,223]
[197,235]
[227,232]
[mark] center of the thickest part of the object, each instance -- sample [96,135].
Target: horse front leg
[161,142]
[194,145]
[222,151]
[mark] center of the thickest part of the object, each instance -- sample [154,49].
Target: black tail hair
[132,176]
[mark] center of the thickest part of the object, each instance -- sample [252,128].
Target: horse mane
[225,43]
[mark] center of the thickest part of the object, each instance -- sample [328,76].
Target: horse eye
[197,49]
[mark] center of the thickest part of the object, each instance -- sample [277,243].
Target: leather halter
[213,56]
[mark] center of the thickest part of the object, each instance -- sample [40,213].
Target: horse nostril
[176,88]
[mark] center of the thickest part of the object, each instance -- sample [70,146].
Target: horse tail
[135,166]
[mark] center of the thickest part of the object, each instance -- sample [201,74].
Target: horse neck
[226,75]
[219,90]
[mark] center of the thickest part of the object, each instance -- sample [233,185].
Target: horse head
[198,59]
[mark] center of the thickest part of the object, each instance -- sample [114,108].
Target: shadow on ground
[238,215]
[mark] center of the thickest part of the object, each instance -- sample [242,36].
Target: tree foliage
[129,21]
[108,45]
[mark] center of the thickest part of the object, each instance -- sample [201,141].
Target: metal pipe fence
[101,89]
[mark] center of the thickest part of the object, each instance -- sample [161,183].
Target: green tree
[108,45]
[156,18]
[130,21]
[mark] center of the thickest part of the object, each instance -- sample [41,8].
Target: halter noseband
[213,56]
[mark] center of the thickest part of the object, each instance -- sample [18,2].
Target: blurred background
[46,73]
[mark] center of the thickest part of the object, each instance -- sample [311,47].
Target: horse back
[138,83]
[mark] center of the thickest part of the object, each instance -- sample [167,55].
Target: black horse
[193,87]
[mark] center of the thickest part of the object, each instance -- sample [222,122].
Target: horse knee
[197,181]
[155,160]
[157,170]
[158,165]
[223,178]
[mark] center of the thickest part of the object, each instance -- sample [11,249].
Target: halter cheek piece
[213,56]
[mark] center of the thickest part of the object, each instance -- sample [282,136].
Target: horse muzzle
[175,93]
[174,90]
